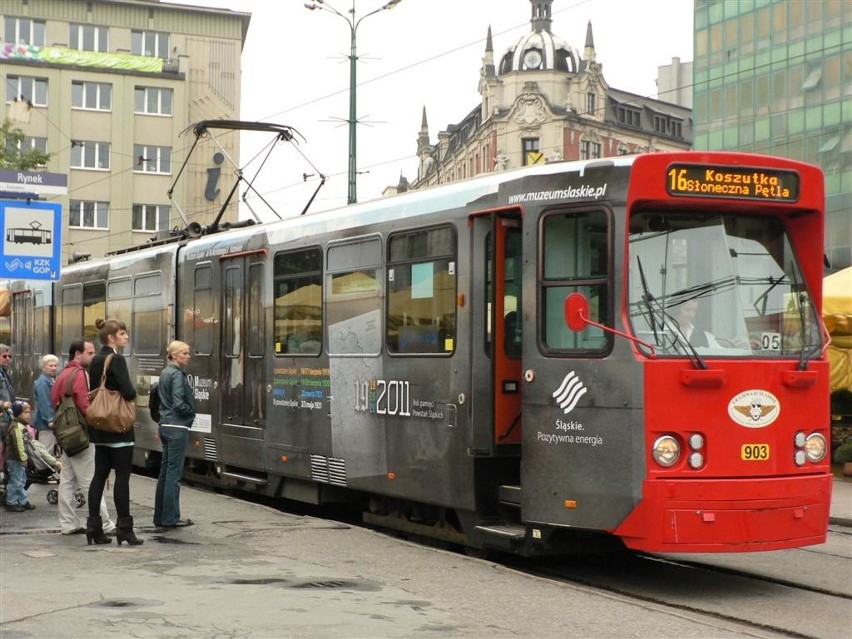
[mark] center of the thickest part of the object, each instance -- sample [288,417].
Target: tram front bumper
[729,515]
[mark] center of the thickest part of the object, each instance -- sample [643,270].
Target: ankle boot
[124,531]
[95,531]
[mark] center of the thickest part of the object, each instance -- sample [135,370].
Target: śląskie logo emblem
[569,392]
[754,408]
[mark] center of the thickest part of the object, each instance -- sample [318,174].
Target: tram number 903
[755,452]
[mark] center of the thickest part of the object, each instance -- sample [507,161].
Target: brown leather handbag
[108,410]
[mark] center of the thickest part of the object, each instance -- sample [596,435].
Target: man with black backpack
[77,469]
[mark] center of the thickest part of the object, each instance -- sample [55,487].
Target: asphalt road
[246,570]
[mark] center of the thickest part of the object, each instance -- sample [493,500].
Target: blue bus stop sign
[32,239]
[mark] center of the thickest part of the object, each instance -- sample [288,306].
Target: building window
[531,154]
[86,37]
[29,144]
[591,103]
[628,117]
[91,95]
[151,44]
[152,159]
[27,88]
[813,79]
[676,129]
[661,124]
[88,215]
[589,150]
[153,101]
[24,31]
[150,217]
[90,155]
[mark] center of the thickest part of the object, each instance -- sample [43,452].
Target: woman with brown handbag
[113,451]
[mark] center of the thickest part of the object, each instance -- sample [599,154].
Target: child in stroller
[44,468]
[20,453]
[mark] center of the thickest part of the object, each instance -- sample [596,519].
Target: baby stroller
[40,470]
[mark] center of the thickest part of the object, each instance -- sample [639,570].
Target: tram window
[22,311]
[70,318]
[354,297]
[255,311]
[421,297]
[201,319]
[575,250]
[148,316]
[232,312]
[512,287]
[40,321]
[297,287]
[120,305]
[94,307]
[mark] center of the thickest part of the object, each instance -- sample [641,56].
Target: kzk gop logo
[754,408]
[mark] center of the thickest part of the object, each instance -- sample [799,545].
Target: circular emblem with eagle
[754,408]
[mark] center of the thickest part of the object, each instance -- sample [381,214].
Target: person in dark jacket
[177,412]
[113,451]
[7,398]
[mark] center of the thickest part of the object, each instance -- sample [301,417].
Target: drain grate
[325,584]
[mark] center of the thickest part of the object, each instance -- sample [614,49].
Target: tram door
[242,407]
[497,314]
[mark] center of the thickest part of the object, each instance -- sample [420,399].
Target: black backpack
[154,402]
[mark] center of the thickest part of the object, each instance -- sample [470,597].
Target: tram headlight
[799,439]
[666,451]
[816,447]
[799,458]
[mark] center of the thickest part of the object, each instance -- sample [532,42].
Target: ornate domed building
[543,101]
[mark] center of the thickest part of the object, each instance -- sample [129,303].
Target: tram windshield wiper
[648,298]
[667,323]
[803,354]
[702,290]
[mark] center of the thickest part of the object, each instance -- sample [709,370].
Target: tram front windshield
[705,284]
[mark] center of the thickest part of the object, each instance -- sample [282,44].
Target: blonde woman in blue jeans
[177,412]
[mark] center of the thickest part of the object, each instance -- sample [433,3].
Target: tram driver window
[422,292]
[575,253]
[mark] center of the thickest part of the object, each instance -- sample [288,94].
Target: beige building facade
[544,101]
[109,89]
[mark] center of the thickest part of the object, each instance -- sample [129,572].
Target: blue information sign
[32,239]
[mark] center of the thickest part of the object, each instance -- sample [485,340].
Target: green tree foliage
[11,154]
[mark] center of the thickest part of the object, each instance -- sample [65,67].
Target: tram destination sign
[737,182]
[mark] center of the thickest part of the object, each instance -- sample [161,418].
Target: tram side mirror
[577,319]
[576,312]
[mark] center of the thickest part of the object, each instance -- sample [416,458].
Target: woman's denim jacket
[177,401]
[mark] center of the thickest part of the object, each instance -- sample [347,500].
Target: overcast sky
[421,53]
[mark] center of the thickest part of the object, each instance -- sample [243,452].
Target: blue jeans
[167,498]
[16,494]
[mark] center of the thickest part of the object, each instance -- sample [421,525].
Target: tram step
[511,532]
[260,481]
[509,495]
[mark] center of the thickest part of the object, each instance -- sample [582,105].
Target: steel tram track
[648,578]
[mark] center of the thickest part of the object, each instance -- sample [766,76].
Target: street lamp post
[322,5]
